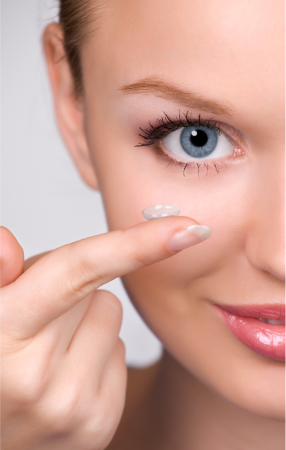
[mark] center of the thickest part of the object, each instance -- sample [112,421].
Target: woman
[160,103]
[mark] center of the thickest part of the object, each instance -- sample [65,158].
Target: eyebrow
[168,91]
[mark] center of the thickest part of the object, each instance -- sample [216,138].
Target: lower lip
[263,338]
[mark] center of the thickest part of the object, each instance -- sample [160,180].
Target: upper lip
[267,311]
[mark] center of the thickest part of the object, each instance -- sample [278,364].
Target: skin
[227,51]
[57,390]
[209,390]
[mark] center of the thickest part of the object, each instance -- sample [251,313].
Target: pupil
[199,138]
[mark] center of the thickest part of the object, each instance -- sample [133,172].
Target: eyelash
[165,126]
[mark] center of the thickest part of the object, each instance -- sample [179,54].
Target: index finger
[67,275]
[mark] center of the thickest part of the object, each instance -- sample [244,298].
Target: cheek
[174,296]
[132,179]
[179,287]
[176,289]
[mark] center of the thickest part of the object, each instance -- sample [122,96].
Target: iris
[199,141]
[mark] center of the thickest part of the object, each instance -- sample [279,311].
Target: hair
[78,19]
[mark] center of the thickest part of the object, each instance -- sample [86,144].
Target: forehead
[227,47]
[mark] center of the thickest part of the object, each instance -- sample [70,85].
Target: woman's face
[219,61]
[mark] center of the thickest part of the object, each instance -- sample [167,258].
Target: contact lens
[160,211]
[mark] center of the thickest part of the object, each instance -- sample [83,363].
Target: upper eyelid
[231,132]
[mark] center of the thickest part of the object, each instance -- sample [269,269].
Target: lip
[265,339]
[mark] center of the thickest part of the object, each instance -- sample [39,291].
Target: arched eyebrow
[168,91]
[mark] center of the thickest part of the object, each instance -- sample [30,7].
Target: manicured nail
[160,211]
[188,237]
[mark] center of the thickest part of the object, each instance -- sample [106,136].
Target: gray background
[43,200]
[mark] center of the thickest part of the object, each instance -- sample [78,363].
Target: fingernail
[188,237]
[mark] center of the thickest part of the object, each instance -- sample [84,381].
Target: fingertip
[152,241]
[188,237]
[11,257]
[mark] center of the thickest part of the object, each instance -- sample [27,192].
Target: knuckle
[61,416]
[139,250]
[24,378]
[134,250]
[76,283]
[23,391]
[74,415]
[81,276]
[89,419]
[102,424]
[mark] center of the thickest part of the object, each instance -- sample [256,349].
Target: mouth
[260,327]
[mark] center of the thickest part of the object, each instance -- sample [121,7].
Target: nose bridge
[265,245]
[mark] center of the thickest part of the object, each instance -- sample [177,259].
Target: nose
[265,245]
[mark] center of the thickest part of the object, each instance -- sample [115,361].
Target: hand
[63,364]
[11,258]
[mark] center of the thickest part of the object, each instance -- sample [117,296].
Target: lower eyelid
[209,164]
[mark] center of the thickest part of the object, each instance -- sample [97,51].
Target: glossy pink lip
[263,338]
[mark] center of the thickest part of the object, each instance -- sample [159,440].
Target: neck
[183,413]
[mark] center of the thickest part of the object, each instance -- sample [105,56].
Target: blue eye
[195,143]
[199,142]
